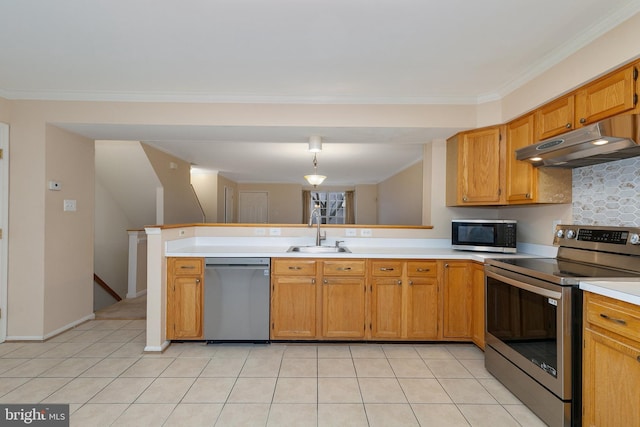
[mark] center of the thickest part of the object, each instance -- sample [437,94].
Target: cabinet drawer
[422,268]
[615,316]
[187,266]
[384,268]
[294,267]
[354,267]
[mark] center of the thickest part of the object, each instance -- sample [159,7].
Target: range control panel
[625,240]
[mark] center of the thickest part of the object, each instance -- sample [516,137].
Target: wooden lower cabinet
[386,307]
[457,300]
[422,300]
[294,298]
[343,307]
[318,299]
[611,362]
[185,298]
[293,307]
[404,299]
[377,299]
[343,299]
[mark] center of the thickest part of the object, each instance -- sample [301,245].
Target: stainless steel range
[534,316]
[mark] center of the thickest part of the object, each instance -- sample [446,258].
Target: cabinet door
[185,298]
[608,96]
[184,318]
[477,280]
[521,176]
[293,307]
[422,308]
[457,298]
[386,307]
[555,118]
[610,381]
[481,167]
[343,307]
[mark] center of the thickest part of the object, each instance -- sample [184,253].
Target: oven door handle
[531,288]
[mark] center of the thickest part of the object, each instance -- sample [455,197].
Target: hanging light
[315,179]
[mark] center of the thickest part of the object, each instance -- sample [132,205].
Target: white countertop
[627,290]
[370,248]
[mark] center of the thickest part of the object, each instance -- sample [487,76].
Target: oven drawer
[615,316]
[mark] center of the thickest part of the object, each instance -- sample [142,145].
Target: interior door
[253,207]
[4,209]
[229,196]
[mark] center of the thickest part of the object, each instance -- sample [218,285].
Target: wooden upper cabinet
[476,167]
[555,118]
[521,176]
[607,96]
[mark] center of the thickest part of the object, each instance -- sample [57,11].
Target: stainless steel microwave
[484,235]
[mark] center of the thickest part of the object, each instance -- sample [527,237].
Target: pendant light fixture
[315,146]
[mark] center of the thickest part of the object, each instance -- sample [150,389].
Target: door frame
[4,225]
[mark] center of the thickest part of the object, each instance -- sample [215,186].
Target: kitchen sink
[319,249]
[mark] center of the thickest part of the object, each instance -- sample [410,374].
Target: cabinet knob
[313,281]
[583,120]
[197,280]
[399,282]
[464,198]
[527,196]
[446,266]
[568,125]
[325,281]
[411,284]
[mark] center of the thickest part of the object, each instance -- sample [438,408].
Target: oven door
[529,323]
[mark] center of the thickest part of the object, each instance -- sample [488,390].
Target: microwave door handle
[531,288]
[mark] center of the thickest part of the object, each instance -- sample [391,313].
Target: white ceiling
[285,51]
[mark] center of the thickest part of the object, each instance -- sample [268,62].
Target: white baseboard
[157,349]
[52,333]
[137,294]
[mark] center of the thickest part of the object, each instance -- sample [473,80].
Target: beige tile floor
[99,369]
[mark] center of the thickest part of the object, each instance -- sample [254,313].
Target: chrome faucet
[316,213]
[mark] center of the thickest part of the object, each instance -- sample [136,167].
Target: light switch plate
[69,205]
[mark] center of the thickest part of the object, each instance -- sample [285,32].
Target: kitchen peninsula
[446,281]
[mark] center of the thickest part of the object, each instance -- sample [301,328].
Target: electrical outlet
[366,232]
[274,232]
[350,232]
[260,232]
[182,233]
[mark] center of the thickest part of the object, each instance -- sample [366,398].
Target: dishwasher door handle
[236,266]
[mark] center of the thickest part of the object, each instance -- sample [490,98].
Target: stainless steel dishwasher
[236,299]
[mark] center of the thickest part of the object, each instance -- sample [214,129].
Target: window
[332,206]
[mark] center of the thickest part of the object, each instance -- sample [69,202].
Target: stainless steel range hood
[611,139]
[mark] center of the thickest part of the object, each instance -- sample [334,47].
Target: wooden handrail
[106,287]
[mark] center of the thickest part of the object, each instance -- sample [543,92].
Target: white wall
[68,243]
[400,197]
[111,249]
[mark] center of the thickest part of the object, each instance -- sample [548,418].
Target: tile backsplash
[607,194]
